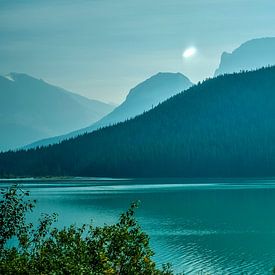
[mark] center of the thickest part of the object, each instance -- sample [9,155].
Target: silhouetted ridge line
[141,98]
[222,127]
[253,54]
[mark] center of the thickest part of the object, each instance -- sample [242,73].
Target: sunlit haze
[189,52]
[102,49]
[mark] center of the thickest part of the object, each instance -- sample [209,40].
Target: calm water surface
[200,226]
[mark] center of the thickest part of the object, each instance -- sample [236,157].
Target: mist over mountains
[253,54]
[141,98]
[223,127]
[32,109]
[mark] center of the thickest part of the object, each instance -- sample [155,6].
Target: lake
[200,226]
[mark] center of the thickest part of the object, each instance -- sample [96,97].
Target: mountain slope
[31,109]
[253,54]
[141,98]
[223,127]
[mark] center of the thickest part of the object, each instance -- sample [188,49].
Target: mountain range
[32,109]
[141,98]
[253,54]
[222,127]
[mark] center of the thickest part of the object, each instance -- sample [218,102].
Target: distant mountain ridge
[141,98]
[222,127]
[251,55]
[31,109]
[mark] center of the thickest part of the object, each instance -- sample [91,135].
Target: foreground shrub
[122,248]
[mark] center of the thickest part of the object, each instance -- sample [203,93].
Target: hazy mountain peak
[31,109]
[252,54]
[168,74]
[170,82]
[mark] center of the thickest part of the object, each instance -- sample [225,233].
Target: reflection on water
[200,225]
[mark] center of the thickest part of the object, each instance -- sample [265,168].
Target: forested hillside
[223,127]
[141,98]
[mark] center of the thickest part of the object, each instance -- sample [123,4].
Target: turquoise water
[200,226]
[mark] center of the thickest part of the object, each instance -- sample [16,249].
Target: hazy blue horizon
[103,48]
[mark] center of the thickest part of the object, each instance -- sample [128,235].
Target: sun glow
[189,52]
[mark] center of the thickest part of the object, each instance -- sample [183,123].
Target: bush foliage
[121,248]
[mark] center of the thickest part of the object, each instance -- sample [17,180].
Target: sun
[187,53]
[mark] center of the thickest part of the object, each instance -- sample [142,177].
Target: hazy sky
[102,48]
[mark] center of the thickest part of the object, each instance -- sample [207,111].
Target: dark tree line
[222,127]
